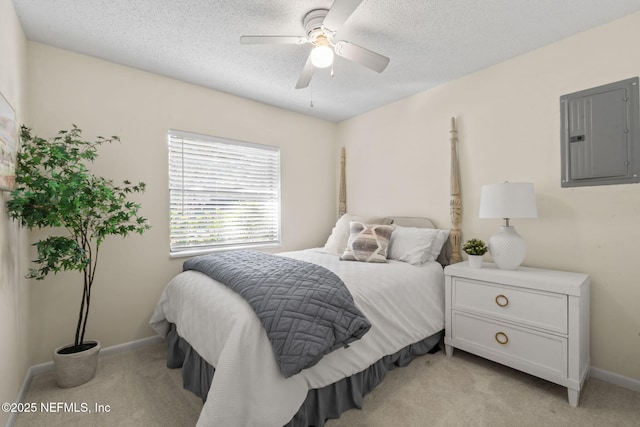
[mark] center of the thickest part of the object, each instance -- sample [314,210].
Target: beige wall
[103,98]
[14,360]
[397,164]
[509,123]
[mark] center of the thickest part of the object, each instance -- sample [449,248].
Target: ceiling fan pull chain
[311,94]
[331,69]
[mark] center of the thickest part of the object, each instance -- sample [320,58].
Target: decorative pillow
[337,241]
[416,245]
[367,242]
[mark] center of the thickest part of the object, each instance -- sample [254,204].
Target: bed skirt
[321,404]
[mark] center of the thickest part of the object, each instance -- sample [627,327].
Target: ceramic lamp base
[507,248]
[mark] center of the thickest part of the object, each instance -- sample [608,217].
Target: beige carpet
[433,390]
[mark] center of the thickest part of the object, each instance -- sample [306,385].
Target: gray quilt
[306,309]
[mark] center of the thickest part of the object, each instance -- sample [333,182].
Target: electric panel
[599,135]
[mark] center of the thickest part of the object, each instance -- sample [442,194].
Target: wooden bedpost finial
[342,198]
[455,204]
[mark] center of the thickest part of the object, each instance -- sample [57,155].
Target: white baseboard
[48,366]
[617,379]
[21,394]
[131,345]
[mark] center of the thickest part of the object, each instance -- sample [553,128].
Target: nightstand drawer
[510,343]
[539,309]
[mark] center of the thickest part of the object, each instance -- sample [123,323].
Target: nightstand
[531,319]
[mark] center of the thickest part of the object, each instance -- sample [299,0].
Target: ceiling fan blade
[339,12]
[362,56]
[305,76]
[273,40]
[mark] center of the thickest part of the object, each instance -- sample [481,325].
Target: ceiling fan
[321,25]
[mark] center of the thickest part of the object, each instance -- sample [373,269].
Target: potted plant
[475,248]
[55,190]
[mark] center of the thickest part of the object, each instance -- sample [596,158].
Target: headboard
[412,221]
[451,250]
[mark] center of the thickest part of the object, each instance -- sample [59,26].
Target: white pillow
[437,246]
[337,241]
[416,245]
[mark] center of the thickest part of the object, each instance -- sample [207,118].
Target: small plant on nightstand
[475,248]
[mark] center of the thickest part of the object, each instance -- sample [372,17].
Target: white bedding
[404,304]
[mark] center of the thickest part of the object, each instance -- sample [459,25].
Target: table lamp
[507,200]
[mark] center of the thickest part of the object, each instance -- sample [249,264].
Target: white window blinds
[223,193]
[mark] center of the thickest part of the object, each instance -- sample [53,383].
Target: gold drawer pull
[502,338]
[502,301]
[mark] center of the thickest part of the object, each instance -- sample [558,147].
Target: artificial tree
[55,189]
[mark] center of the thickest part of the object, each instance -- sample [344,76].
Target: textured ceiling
[429,42]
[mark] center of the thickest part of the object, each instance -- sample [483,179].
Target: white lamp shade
[508,200]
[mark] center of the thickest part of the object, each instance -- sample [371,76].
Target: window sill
[195,252]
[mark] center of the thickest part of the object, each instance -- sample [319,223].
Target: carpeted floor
[136,389]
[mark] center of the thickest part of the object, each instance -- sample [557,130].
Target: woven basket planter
[73,369]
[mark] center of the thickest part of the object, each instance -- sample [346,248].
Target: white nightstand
[533,320]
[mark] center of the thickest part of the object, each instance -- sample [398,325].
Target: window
[223,193]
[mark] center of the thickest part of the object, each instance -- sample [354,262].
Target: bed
[227,359]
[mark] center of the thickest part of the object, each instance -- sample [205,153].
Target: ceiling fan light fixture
[322,56]
[322,53]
